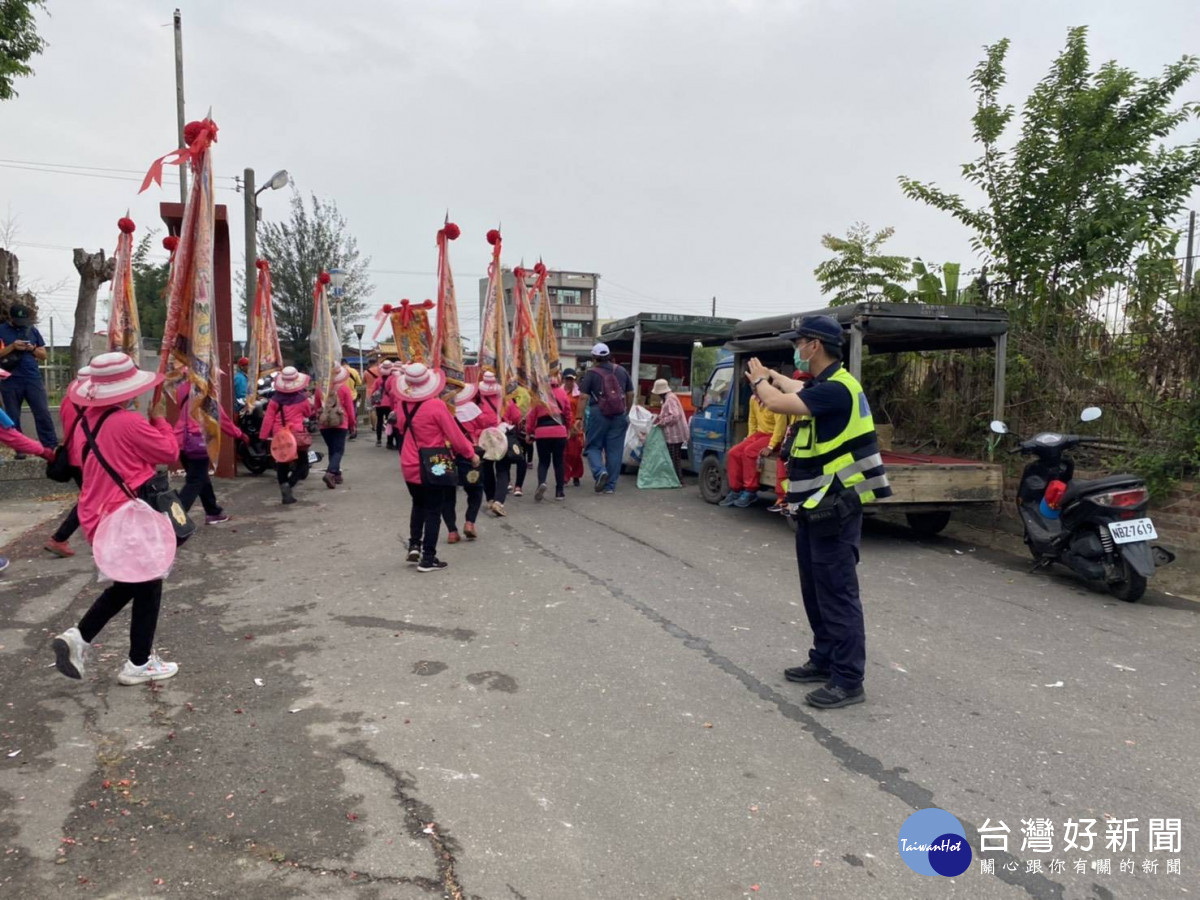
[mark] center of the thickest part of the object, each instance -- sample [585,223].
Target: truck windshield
[718,387]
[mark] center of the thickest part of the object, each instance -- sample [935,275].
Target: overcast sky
[682,148]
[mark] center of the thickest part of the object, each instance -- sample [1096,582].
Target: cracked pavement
[588,703]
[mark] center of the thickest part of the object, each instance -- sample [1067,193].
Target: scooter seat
[1082,486]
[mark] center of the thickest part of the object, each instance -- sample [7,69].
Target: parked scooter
[1098,528]
[254,453]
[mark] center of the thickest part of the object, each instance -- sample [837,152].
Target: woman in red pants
[742,462]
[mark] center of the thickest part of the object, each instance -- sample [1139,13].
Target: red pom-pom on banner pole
[262,264]
[518,273]
[171,242]
[324,278]
[126,225]
[387,308]
[493,237]
[540,268]
[452,231]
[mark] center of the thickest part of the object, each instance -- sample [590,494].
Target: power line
[166,181]
[140,174]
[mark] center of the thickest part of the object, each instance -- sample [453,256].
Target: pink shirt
[292,416]
[346,398]
[673,420]
[491,404]
[432,426]
[22,444]
[133,447]
[181,420]
[540,411]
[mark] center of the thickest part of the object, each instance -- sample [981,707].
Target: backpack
[284,448]
[332,415]
[611,400]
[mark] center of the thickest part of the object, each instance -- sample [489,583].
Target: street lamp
[337,281]
[359,328]
[278,180]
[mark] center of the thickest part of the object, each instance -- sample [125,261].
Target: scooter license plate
[1132,530]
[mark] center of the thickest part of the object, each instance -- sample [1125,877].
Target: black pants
[676,451]
[381,414]
[829,587]
[474,496]
[70,524]
[495,479]
[426,516]
[523,463]
[146,597]
[335,441]
[197,483]
[552,450]
[295,471]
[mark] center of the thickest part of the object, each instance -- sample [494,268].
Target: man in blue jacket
[21,349]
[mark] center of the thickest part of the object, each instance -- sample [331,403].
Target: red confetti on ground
[353,817]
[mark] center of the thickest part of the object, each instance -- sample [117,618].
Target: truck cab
[927,489]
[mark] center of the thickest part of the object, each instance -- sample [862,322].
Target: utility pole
[251,224]
[714,312]
[50,367]
[1187,266]
[179,100]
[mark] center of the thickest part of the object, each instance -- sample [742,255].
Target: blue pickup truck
[927,489]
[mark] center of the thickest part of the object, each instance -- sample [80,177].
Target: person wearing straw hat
[550,432]
[471,421]
[423,422]
[335,435]
[133,447]
[68,414]
[673,422]
[381,401]
[496,474]
[290,407]
[193,457]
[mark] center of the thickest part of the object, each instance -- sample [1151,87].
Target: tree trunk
[94,269]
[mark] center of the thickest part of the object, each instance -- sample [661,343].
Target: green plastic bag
[656,469]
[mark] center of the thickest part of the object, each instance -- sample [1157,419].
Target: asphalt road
[588,703]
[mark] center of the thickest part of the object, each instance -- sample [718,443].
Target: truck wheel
[1131,586]
[712,480]
[927,524]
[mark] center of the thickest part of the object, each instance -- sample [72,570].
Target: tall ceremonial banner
[529,360]
[447,346]
[189,347]
[124,333]
[410,328]
[265,355]
[495,341]
[324,343]
[545,322]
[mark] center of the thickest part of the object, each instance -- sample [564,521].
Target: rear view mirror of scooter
[998,427]
[1091,414]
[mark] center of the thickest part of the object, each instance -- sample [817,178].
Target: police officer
[833,468]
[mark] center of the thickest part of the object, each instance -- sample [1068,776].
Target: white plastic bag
[641,420]
[134,543]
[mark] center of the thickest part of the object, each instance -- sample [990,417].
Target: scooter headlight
[1121,499]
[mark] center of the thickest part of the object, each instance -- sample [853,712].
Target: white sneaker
[70,653]
[154,670]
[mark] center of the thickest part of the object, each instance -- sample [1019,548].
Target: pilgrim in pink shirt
[181,420]
[432,426]
[345,397]
[133,447]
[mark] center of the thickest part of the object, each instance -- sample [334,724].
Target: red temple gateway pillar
[172,215]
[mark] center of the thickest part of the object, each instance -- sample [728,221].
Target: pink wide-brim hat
[289,381]
[467,393]
[112,378]
[419,382]
[385,367]
[488,384]
[342,374]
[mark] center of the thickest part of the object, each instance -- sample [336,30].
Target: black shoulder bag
[58,468]
[156,492]
[438,468]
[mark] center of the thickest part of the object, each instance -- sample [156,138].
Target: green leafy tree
[312,240]
[936,284]
[19,42]
[858,271]
[150,288]
[1089,182]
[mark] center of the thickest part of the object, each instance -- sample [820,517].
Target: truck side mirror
[1091,414]
[998,427]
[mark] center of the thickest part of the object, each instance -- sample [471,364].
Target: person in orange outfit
[743,461]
